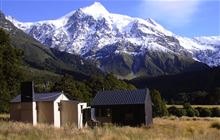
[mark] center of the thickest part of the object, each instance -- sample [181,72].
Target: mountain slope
[172,86]
[111,39]
[41,57]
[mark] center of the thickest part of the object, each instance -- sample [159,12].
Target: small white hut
[49,108]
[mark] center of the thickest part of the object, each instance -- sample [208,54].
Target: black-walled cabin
[123,107]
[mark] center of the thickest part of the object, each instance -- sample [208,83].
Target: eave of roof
[40,97]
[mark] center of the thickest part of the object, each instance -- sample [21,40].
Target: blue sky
[184,17]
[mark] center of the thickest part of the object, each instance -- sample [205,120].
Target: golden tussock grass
[4,116]
[170,128]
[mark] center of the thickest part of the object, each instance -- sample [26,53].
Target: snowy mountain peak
[211,40]
[18,24]
[152,21]
[95,33]
[96,10]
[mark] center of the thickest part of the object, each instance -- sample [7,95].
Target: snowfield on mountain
[118,40]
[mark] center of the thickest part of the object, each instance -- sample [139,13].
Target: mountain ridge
[41,57]
[100,35]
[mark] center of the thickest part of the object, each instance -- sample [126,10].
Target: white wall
[80,114]
[148,110]
[57,119]
[34,113]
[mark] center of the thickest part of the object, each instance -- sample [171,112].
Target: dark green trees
[108,82]
[10,73]
[204,112]
[159,107]
[73,89]
[85,90]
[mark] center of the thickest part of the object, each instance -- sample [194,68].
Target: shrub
[159,106]
[190,112]
[179,112]
[215,125]
[196,113]
[216,112]
[204,112]
[172,110]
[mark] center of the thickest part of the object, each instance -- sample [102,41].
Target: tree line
[196,87]
[10,71]
[188,110]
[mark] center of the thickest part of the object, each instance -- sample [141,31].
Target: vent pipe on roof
[27,91]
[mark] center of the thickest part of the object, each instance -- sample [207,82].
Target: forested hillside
[199,87]
[81,85]
[10,71]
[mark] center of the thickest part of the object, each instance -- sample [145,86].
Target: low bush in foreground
[204,112]
[215,125]
[216,112]
[189,111]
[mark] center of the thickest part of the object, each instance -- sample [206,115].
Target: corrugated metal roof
[40,97]
[120,97]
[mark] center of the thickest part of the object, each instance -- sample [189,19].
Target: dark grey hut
[123,107]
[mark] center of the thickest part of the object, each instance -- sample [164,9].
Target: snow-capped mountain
[95,33]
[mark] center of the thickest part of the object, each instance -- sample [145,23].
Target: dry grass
[4,117]
[163,129]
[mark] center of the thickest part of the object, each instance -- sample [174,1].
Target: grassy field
[163,129]
[4,117]
[194,106]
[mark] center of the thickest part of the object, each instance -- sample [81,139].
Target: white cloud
[173,12]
